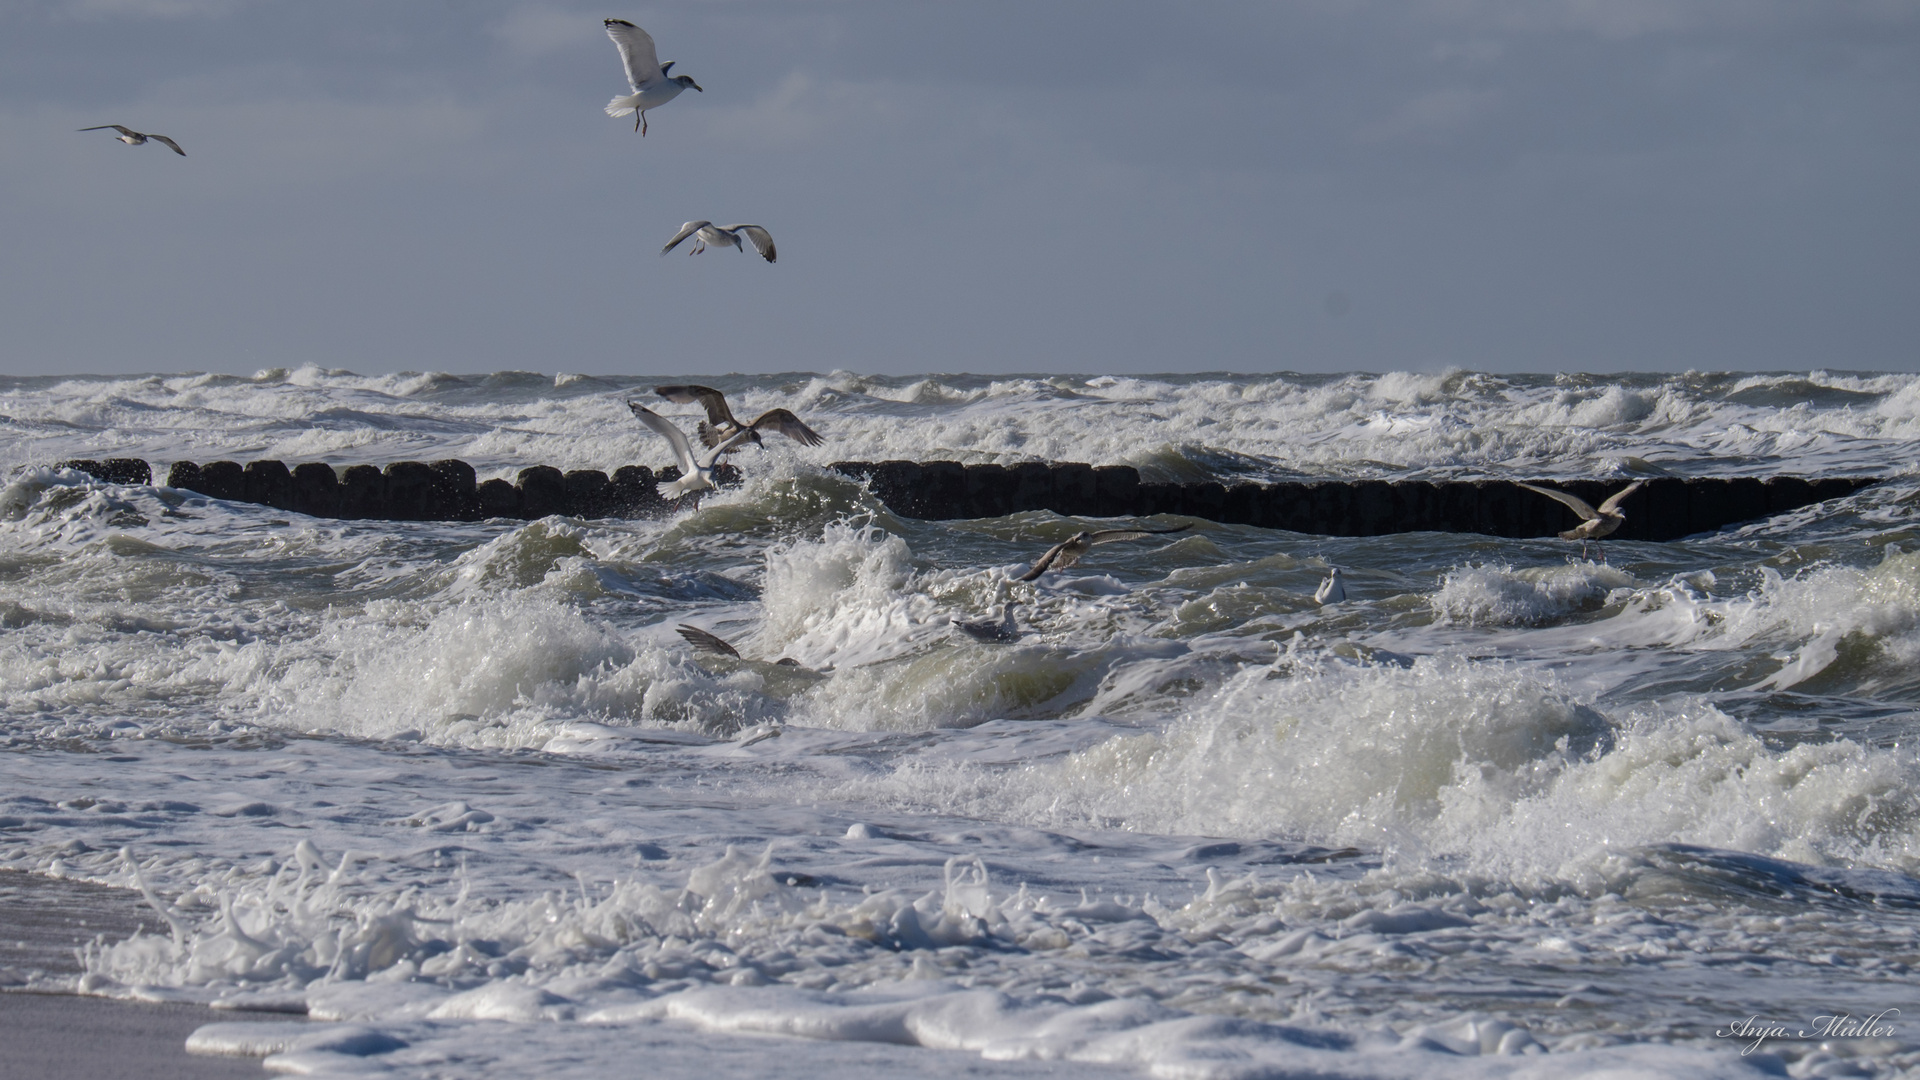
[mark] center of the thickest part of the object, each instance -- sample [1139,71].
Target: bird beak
[695,85]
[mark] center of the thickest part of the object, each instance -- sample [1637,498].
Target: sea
[458,799]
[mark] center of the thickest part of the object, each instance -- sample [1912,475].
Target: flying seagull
[696,474]
[990,630]
[715,645]
[1068,551]
[652,86]
[1594,524]
[1331,591]
[136,138]
[711,235]
[720,422]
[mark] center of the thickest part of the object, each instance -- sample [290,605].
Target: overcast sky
[1535,185]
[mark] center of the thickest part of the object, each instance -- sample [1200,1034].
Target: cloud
[1432,116]
[151,9]
[1085,182]
[1628,20]
[265,148]
[1478,51]
[804,109]
[541,31]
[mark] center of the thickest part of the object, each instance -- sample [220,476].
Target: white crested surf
[461,793]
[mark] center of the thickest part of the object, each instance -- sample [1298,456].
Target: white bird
[1068,551]
[1003,630]
[652,86]
[1594,524]
[136,138]
[1331,591]
[696,474]
[713,235]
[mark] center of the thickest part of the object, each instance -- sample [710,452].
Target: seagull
[136,138]
[1594,524]
[720,422]
[717,235]
[989,630]
[695,474]
[1331,591]
[1068,551]
[715,645]
[652,86]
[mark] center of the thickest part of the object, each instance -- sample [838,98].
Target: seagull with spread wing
[646,75]
[720,423]
[715,645]
[138,138]
[706,234]
[1594,524]
[696,474]
[1068,551]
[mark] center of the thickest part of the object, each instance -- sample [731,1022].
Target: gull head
[684,81]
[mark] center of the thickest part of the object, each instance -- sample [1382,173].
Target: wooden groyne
[1665,508]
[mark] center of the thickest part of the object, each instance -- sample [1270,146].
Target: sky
[1033,186]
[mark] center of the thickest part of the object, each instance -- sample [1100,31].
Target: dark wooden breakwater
[1665,508]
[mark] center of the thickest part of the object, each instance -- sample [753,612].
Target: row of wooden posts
[1665,508]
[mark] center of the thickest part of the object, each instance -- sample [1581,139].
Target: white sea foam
[1850,628]
[1438,423]
[1487,765]
[1503,596]
[703,955]
[459,789]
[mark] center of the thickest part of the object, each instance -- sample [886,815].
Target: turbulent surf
[463,795]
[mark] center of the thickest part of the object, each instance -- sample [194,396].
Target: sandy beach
[49,1035]
[68,1037]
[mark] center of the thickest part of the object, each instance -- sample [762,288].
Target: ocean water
[461,795]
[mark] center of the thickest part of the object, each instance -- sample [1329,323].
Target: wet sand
[64,1037]
[61,1036]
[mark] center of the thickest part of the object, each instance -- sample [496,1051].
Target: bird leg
[638,119]
[643,123]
